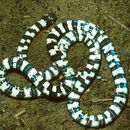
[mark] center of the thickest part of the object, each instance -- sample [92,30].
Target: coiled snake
[59,40]
[96,40]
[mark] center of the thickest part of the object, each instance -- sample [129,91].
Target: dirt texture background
[41,114]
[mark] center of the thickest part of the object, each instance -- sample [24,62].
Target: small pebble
[69,5]
[3,102]
[2,111]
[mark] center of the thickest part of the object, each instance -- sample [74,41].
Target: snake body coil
[73,31]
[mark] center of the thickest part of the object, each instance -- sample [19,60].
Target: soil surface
[16,16]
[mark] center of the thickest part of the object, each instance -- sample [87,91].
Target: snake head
[50,19]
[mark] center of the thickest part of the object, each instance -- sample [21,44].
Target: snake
[23,92]
[59,40]
[63,36]
[42,87]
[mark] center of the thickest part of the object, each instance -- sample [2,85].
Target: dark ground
[41,114]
